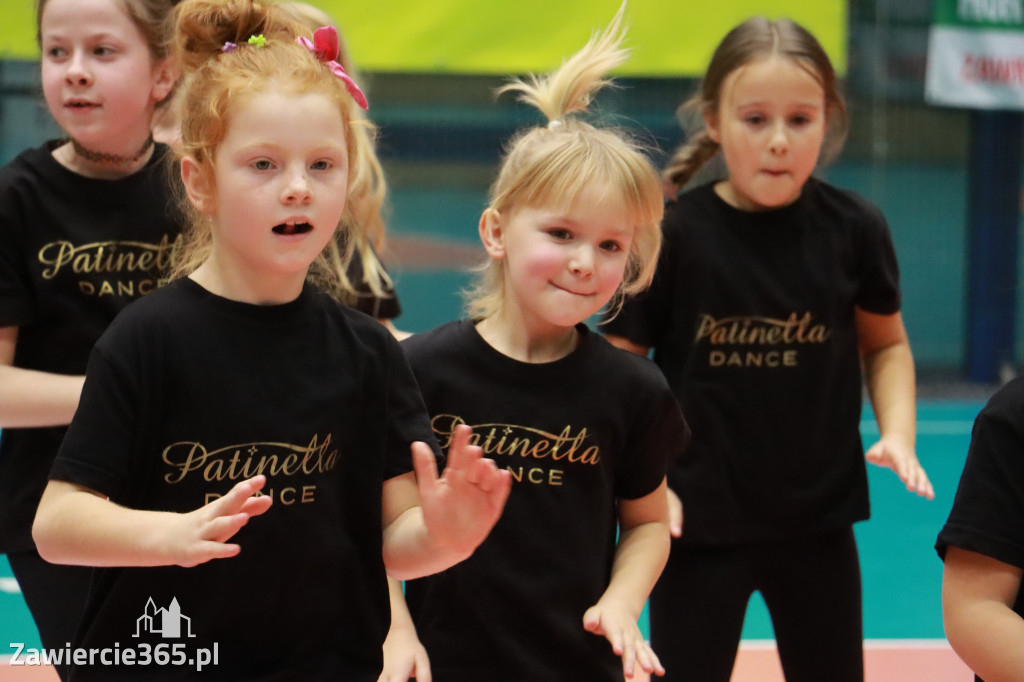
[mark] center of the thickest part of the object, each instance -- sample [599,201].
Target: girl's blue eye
[56,52]
[103,51]
[321,165]
[612,247]
[262,164]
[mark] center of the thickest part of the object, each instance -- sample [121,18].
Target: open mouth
[79,105]
[289,229]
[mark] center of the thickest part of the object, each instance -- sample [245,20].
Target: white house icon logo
[166,622]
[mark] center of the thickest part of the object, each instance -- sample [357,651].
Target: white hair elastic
[554,124]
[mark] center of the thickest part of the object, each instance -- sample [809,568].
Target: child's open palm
[462,505]
[896,455]
[619,627]
[203,534]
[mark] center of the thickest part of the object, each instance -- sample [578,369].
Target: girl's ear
[165,75]
[491,233]
[197,185]
[711,125]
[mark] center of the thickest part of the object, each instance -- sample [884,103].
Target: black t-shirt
[74,251]
[751,318]
[188,393]
[577,434]
[988,510]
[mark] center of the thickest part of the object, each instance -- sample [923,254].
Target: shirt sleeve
[408,418]
[879,290]
[988,510]
[97,450]
[16,301]
[659,436]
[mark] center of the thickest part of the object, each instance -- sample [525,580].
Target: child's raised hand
[896,455]
[202,535]
[460,507]
[619,627]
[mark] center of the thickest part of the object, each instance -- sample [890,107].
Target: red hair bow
[325,46]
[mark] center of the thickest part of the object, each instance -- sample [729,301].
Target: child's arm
[29,398]
[978,593]
[889,373]
[675,514]
[431,523]
[639,559]
[404,655]
[76,525]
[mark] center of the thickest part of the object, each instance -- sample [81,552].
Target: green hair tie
[258,41]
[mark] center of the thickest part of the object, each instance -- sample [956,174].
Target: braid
[688,159]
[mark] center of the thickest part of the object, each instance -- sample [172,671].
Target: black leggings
[55,595]
[811,585]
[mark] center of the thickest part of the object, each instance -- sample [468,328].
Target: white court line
[947,427]
[10,585]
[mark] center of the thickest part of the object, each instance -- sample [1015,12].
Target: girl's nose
[77,72]
[297,191]
[582,261]
[779,141]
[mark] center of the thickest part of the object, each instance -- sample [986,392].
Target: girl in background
[773,291]
[86,227]
[243,389]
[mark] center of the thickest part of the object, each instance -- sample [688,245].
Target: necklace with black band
[112,159]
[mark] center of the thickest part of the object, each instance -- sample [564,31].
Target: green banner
[519,36]
[991,14]
[976,55]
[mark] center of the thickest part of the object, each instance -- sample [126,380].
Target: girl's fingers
[458,454]
[209,551]
[929,490]
[496,477]
[425,465]
[924,486]
[616,641]
[256,505]
[484,473]
[223,528]
[236,498]
[628,659]
[649,660]
[423,668]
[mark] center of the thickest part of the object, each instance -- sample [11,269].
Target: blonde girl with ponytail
[585,430]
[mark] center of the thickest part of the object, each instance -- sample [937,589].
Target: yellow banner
[519,36]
